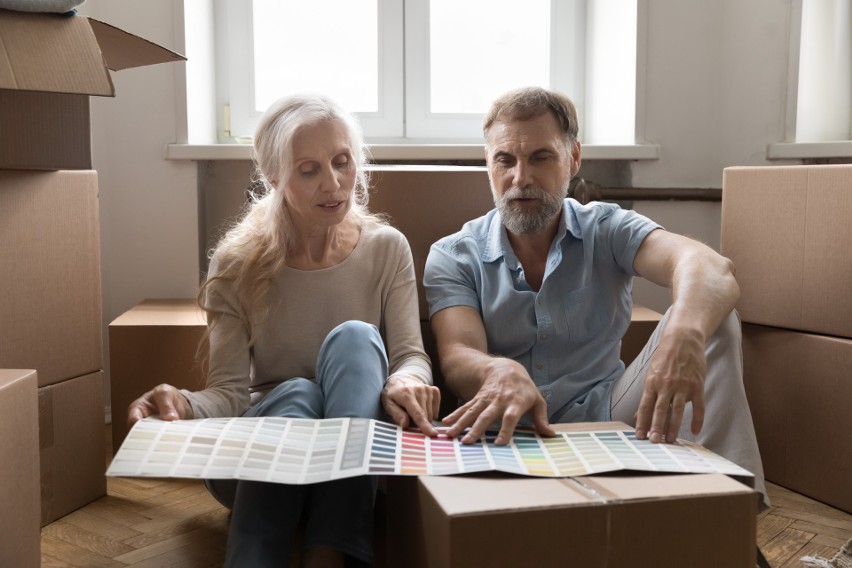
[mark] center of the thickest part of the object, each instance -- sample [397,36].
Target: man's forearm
[704,291]
[464,370]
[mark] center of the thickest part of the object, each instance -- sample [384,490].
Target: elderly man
[529,304]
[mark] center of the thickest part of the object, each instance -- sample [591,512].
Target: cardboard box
[73,446]
[623,520]
[50,308]
[154,342]
[20,538]
[799,388]
[49,64]
[787,230]
[426,204]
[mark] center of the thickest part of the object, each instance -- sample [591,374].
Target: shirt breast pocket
[585,314]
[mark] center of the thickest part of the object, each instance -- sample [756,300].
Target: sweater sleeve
[229,362]
[401,318]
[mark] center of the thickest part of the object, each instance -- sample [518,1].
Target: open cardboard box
[49,65]
[616,520]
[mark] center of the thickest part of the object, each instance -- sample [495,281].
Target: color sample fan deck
[301,451]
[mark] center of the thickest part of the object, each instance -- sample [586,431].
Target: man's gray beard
[527,221]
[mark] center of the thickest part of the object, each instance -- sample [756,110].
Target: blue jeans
[351,370]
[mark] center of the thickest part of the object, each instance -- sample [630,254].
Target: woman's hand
[407,399]
[165,400]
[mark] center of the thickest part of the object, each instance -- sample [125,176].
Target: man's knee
[732,326]
[728,336]
[725,358]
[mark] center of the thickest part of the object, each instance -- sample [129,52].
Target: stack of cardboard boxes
[789,232]
[50,306]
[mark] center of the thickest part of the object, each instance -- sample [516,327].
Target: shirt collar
[497,244]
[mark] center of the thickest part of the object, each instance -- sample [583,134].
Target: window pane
[824,110]
[323,46]
[482,48]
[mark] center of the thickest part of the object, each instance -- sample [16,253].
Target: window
[819,82]
[426,70]
[824,102]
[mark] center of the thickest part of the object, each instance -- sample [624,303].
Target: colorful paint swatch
[299,451]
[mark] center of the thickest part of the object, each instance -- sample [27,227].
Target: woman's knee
[353,349]
[352,333]
[294,398]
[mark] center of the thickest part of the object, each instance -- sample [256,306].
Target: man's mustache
[529,192]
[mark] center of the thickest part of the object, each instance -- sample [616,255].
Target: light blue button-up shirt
[568,334]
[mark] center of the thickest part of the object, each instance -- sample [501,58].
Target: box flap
[460,496]
[47,52]
[475,495]
[590,426]
[629,487]
[162,312]
[123,50]
[62,54]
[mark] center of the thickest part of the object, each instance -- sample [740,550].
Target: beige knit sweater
[374,284]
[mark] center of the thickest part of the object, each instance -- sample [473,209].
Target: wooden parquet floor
[152,523]
[143,523]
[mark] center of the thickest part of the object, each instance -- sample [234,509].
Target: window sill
[425,152]
[805,150]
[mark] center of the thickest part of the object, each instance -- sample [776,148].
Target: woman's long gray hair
[254,249]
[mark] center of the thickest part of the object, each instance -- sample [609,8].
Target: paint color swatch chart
[300,451]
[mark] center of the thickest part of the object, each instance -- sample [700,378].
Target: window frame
[239,78]
[791,147]
[392,143]
[567,65]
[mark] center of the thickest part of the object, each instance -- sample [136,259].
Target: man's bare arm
[704,291]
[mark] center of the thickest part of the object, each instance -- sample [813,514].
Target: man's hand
[165,400]
[675,377]
[507,394]
[407,399]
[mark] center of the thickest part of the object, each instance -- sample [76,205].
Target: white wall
[715,93]
[716,81]
[698,220]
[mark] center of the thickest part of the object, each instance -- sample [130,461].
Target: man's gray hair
[531,102]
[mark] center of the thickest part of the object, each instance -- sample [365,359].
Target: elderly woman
[312,313]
